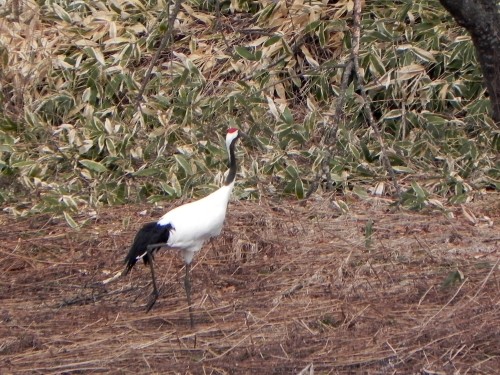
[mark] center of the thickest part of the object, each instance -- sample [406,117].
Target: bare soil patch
[287,287]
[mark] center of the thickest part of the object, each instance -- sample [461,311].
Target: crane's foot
[152,300]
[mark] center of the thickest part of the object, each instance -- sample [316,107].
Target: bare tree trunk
[481,18]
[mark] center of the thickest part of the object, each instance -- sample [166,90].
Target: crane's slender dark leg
[187,286]
[155,293]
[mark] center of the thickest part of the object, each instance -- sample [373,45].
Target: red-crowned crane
[186,228]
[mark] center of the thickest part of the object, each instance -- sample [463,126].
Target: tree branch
[166,38]
[329,140]
[366,100]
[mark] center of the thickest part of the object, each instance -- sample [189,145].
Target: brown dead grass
[287,286]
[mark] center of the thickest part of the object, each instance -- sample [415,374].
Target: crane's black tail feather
[149,234]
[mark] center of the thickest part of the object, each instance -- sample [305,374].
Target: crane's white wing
[194,223]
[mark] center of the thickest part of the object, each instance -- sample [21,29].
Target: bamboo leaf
[409,71]
[376,65]
[312,26]
[272,40]
[69,219]
[360,192]
[96,54]
[147,172]
[424,55]
[93,165]
[61,13]
[418,190]
[246,54]
[23,164]
[299,189]
[395,113]
[184,164]
[402,169]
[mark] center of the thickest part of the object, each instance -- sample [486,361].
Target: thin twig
[366,100]
[329,140]
[485,280]
[93,298]
[166,38]
[443,307]
[217,26]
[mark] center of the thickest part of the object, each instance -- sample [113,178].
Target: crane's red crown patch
[231,130]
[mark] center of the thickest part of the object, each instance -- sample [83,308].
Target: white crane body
[196,222]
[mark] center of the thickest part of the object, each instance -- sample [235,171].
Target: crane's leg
[187,286]
[155,293]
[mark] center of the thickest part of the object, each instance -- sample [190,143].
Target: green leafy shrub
[71,135]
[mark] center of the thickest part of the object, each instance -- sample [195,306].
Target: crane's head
[232,135]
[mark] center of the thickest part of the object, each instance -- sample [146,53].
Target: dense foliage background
[71,136]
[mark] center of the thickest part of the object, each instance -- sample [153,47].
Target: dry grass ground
[287,288]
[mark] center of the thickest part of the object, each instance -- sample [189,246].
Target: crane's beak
[242,134]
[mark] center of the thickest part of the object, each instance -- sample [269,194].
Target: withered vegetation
[289,286]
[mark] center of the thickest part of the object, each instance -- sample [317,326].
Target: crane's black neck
[232,164]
